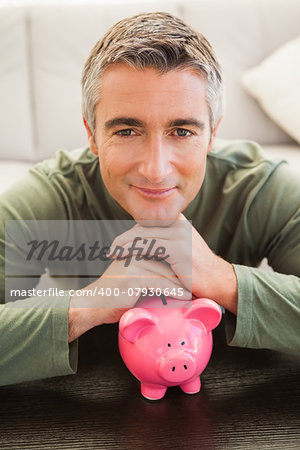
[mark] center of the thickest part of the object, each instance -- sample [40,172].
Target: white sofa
[43,46]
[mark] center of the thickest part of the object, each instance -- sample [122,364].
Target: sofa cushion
[243,33]
[275,84]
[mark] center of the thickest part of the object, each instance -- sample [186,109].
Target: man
[152,103]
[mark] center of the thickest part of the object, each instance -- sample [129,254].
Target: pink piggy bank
[168,344]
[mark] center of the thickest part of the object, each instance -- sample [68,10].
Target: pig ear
[134,321]
[206,311]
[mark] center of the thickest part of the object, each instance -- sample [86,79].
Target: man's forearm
[79,322]
[268,312]
[33,339]
[83,319]
[218,282]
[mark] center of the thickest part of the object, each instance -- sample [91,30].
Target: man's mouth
[155,192]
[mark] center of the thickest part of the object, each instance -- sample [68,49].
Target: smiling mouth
[155,193]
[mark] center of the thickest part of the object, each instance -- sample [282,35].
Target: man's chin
[155,222]
[163,219]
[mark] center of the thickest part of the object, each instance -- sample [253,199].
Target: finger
[155,248]
[167,233]
[170,289]
[142,243]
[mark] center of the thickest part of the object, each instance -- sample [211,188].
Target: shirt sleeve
[34,340]
[269,301]
[33,331]
[268,311]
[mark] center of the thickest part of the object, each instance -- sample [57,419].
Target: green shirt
[247,209]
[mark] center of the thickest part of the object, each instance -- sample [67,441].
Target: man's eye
[127,132]
[182,132]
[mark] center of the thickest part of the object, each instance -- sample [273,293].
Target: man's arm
[268,313]
[83,319]
[34,340]
[213,276]
[34,331]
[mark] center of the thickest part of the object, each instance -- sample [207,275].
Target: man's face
[152,136]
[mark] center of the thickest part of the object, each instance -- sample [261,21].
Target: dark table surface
[249,400]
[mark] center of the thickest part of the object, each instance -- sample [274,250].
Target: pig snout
[177,366]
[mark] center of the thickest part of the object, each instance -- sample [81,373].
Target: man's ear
[213,135]
[92,143]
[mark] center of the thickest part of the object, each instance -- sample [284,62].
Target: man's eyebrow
[127,121]
[132,122]
[184,122]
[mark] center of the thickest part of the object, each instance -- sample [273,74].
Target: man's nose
[155,164]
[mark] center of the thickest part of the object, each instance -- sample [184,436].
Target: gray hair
[157,40]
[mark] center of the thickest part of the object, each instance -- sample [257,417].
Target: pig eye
[169,345]
[182,343]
